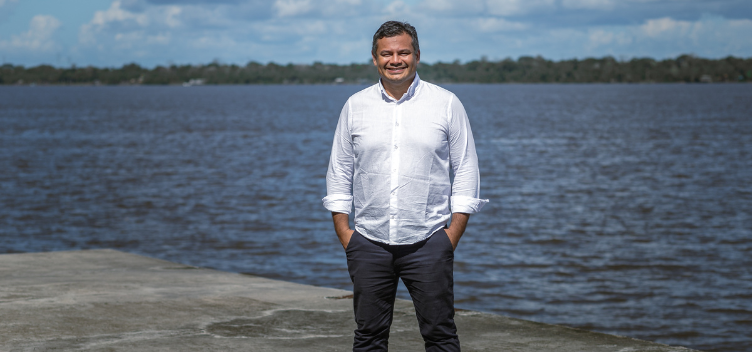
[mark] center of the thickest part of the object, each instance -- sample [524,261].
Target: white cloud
[289,8]
[518,7]
[104,20]
[397,8]
[600,37]
[284,31]
[665,26]
[171,14]
[340,30]
[709,36]
[603,37]
[335,9]
[159,38]
[493,24]
[452,7]
[589,4]
[38,38]
[126,25]
[116,14]
[439,5]
[504,8]
[288,30]
[7,2]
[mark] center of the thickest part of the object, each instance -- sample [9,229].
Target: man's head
[393,29]
[396,52]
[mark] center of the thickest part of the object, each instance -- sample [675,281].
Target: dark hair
[392,29]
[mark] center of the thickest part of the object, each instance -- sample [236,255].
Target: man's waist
[399,231]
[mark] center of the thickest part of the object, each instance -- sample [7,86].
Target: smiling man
[394,148]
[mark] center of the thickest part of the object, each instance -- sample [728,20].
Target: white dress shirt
[391,159]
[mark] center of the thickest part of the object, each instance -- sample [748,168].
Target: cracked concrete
[105,300]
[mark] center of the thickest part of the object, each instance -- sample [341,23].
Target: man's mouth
[395,69]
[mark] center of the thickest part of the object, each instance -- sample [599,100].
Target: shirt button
[395,147]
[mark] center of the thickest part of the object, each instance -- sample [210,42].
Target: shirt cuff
[469,205]
[338,203]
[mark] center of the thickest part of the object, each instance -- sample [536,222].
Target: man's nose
[395,60]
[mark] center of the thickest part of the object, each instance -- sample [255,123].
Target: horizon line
[621,59]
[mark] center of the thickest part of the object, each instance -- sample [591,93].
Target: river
[624,209]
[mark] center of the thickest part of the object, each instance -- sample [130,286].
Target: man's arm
[456,228]
[465,198]
[339,178]
[342,227]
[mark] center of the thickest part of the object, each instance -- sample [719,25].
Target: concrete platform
[105,300]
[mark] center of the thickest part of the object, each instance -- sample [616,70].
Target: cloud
[600,37]
[709,36]
[127,26]
[493,24]
[318,9]
[503,8]
[38,38]
[589,4]
[661,37]
[192,31]
[580,13]
[186,2]
[195,31]
[289,8]
[665,26]
[7,2]
[518,7]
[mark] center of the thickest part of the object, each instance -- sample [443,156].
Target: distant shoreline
[683,69]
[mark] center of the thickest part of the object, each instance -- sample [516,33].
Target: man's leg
[374,290]
[428,275]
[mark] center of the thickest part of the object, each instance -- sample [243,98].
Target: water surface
[624,209]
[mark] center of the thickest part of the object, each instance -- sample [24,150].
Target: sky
[111,33]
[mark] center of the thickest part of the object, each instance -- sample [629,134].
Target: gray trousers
[426,270]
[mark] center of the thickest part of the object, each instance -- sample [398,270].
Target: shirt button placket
[393,215]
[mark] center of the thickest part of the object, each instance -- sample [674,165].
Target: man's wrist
[343,231]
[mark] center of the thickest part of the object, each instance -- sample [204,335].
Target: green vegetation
[526,69]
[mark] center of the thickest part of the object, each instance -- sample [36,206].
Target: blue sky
[159,32]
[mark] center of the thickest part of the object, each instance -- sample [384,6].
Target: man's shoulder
[367,93]
[436,91]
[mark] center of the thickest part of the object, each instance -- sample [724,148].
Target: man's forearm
[457,227]
[342,228]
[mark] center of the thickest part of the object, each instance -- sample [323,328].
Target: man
[393,149]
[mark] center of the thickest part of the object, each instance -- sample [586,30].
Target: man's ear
[373,57]
[417,57]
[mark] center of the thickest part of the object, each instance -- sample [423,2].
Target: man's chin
[400,78]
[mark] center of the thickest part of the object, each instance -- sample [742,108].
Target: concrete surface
[105,300]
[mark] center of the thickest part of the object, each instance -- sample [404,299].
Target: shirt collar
[410,90]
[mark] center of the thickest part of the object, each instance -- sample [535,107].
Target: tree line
[526,69]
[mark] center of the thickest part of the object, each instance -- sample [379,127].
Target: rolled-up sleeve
[341,163]
[466,186]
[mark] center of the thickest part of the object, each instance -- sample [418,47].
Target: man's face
[396,59]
